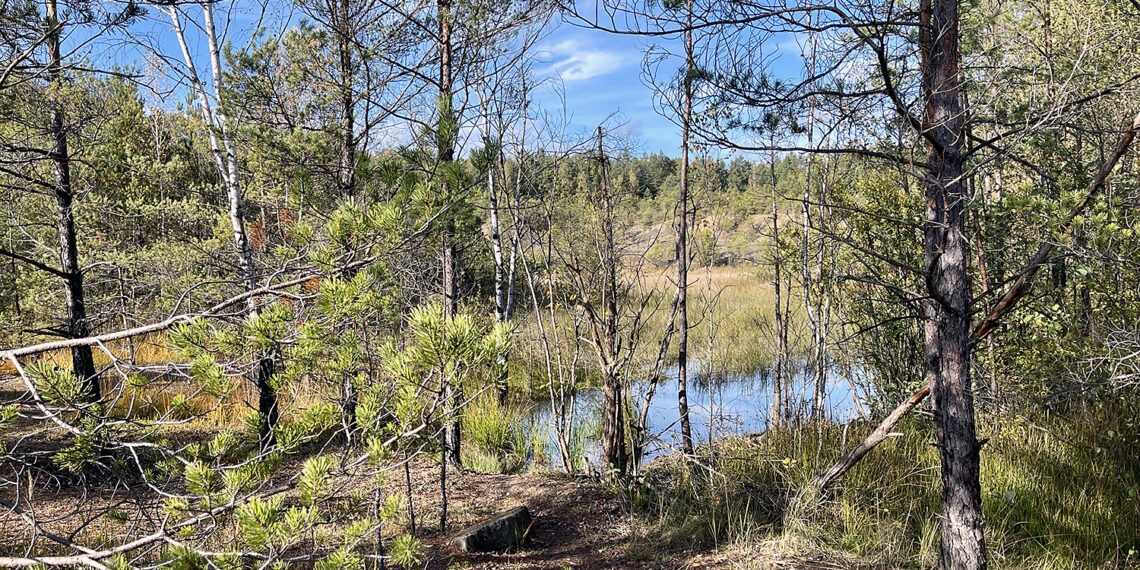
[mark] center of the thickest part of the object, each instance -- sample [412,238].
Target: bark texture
[947,307]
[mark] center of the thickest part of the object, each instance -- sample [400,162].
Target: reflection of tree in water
[731,404]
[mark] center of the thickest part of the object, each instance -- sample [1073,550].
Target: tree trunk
[266,401]
[83,365]
[947,308]
[346,175]
[377,514]
[443,461]
[232,176]
[348,403]
[825,479]
[502,312]
[683,250]
[778,403]
[810,309]
[452,388]
[266,366]
[445,154]
[346,186]
[613,427]
[824,290]
[411,498]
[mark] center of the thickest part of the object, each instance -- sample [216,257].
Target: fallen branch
[881,432]
[153,327]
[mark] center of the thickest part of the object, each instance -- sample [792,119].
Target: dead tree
[604,329]
[683,255]
[83,364]
[25,68]
[596,272]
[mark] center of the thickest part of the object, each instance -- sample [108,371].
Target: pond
[719,407]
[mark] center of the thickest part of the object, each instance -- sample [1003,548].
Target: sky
[601,76]
[597,76]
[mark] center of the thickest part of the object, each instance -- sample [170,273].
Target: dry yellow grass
[731,315]
[141,350]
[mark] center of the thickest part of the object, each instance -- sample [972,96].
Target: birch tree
[223,149]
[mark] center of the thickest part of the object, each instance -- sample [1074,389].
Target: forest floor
[577,524]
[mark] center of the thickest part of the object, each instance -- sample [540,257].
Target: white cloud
[573,61]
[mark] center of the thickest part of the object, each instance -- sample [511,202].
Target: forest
[366,284]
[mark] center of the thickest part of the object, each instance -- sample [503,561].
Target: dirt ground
[578,524]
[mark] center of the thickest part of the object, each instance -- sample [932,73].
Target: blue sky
[601,74]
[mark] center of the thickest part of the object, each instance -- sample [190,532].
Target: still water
[719,407]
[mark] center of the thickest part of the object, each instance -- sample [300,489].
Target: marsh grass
[1050,500]
[733,304]
[499,438]
[736,304]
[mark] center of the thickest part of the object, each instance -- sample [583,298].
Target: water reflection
[719,407]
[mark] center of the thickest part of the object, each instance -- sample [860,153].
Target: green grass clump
[499,437]
[483,462]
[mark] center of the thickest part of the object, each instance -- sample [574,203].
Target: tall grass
[1055,495]
[499,438]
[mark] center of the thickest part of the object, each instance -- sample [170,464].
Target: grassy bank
[1058,492]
